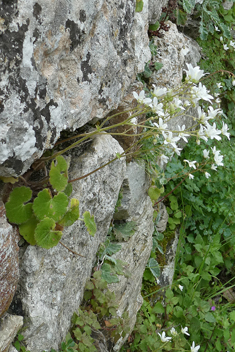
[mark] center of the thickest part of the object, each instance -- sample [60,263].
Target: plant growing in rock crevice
[41,221]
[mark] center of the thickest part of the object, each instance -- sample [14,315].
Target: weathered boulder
[9,325]
[155,9]
[136,206]
[9,261]
[52,281]
[173,51]
[63,64]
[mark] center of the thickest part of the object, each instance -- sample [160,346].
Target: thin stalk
[71,250]
[171,191]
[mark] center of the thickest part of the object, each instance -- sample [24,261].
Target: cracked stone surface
[52,281]
[62,64]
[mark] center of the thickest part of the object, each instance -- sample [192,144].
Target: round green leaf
[28,228]
[46,206]
[59,173]
[154,193]
[16,210]
[90,223]
[68,190]
[72,214]
[45,235]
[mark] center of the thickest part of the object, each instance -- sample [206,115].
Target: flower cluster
[166,104]
[174,333]
[227,46]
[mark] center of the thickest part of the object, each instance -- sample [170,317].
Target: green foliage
[16,209]
[45,234]
[139,5]
[211,14]
[59,173]
[47,206]
[41,220]
[110,266]
[19,343]
[97,314]
[150,66]
[90,223]
[154,192]
[154,27]
[124,231]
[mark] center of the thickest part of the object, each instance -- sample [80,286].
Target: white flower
[201,134]
[156,107]
[224,130]
[202,118]
[207,174]
[233,82]
[212,113]
[141,98]
[177,150]
[211,132]
[221,39]
[206,153]
[194,74]
[213,167]
[163,159]
[217,157]
[190,176]
[169,139]
[217,100]
[214,151]
[186,103]
[201,92]
[225,47]
[219,85]
[191,163]
[217,29]
[173,332]
[161,125]
[181,287]
[184,330]
[178,103]
[158,92]
[218,160]
[164,338]
[232,44]
[194,348]
[182,134]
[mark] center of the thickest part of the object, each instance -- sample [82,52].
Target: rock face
[9,325]
[173,51]
[155,9]
[9,261]
[62,64]
[136,206]
[52,281]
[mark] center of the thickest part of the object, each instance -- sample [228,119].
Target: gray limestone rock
[9,326]
[52,281]
[62,64]
[163,217]
[9,261]
[136,251]
[12,349]
[155,9]
[134,191]
[167,274]
[173,51]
